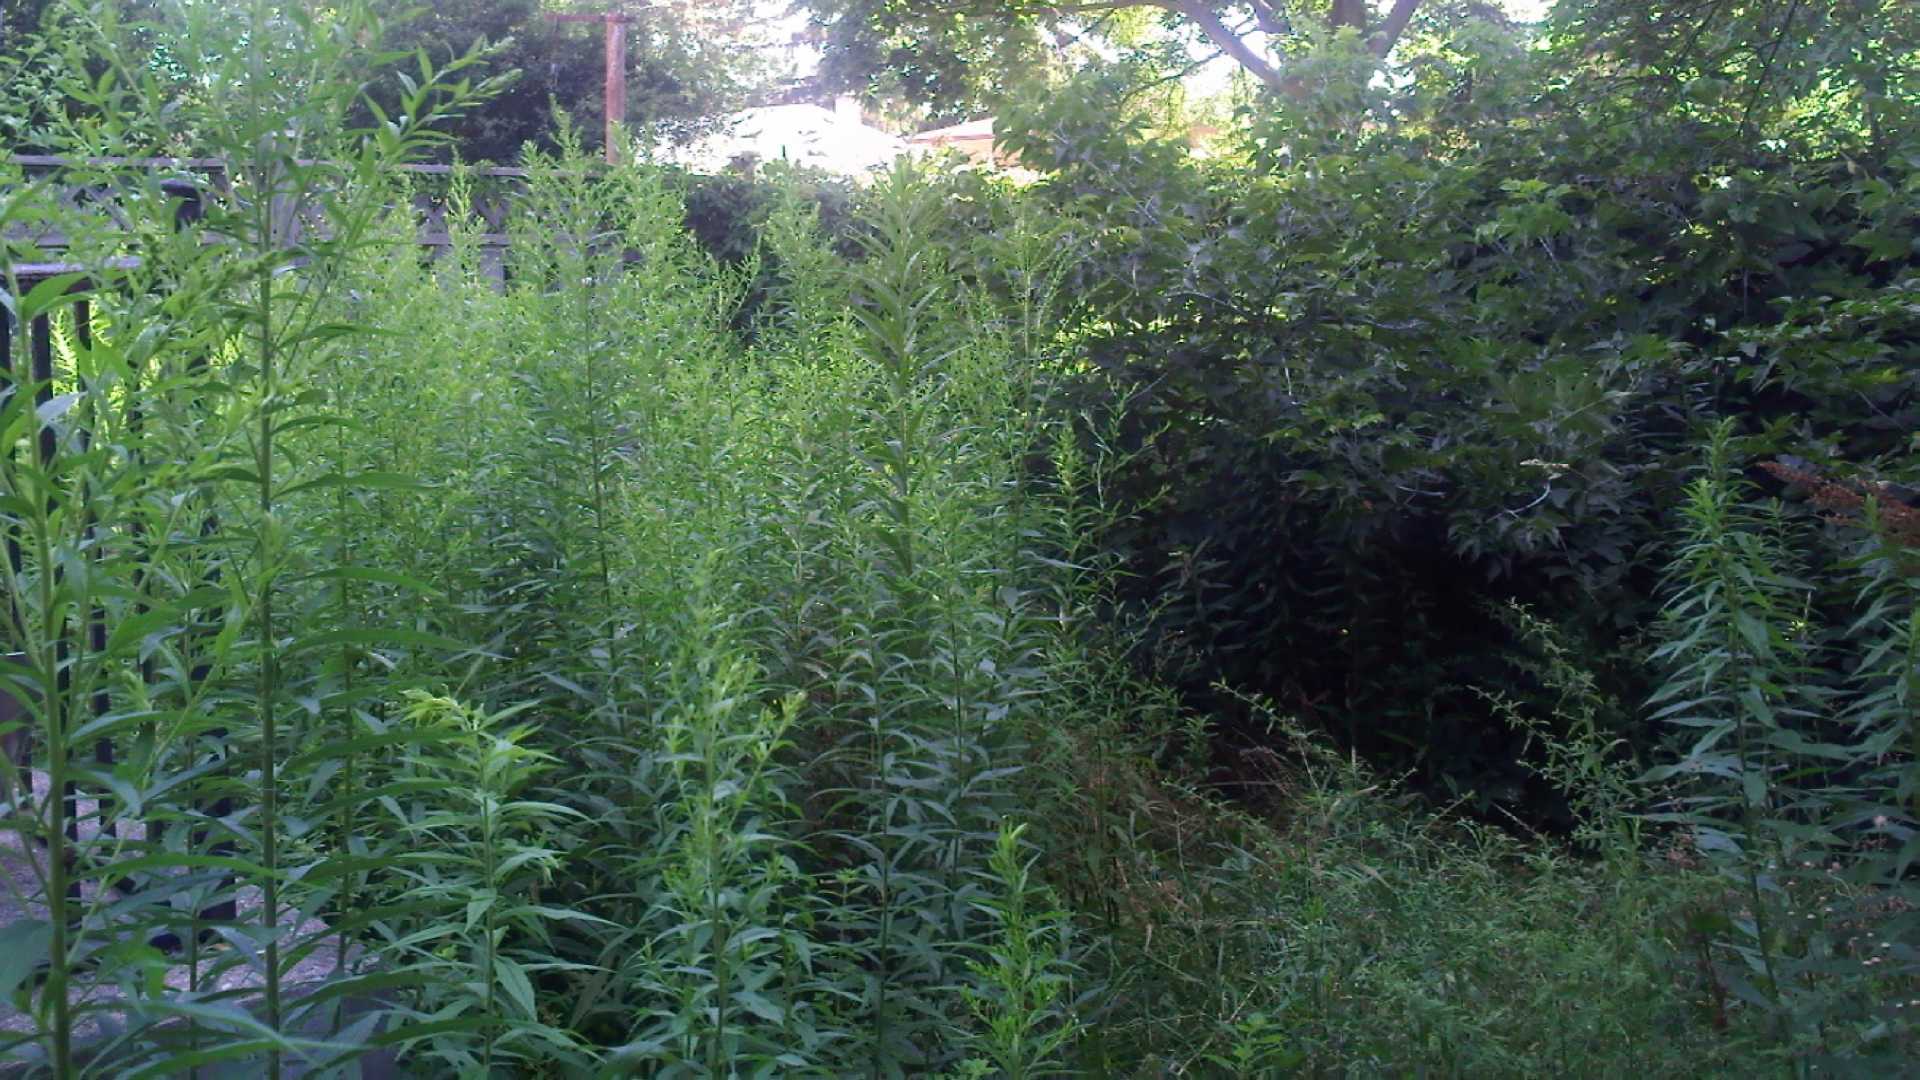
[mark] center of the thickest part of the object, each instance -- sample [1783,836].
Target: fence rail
[433,231]
[55,161]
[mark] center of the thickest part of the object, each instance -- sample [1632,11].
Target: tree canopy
[685,63]
[952,56]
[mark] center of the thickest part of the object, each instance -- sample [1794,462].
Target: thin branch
[1176,76]
[1094,5]
[1766,71]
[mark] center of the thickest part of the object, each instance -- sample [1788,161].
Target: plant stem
[491,859]
[58,911]
[268,677]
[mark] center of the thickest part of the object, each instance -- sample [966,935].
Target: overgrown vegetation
[1428,589]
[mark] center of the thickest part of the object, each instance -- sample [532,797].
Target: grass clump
[1351,929]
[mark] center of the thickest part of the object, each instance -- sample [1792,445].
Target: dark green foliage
[1399,352]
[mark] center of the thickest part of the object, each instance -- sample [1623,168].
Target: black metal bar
[40,359]
[15,744]
[97,628]
[165,940]
[6,392]
[228,909]
[40,372]
[190,209]
[101,702]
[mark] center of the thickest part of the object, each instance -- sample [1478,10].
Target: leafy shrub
[1396,359]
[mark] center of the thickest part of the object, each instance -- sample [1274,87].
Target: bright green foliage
[1024,1013]
[473,865]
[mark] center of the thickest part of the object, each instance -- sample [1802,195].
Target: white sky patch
[778,31]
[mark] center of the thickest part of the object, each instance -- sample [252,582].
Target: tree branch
[1270,18]
[1088,6]
[1229,42]
[1176,76]
[1389,33]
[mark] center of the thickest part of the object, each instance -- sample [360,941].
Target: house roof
[803,134]
[970,131]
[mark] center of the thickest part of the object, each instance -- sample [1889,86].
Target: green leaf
[50,295]
[478,906]
[23,947]
[513,979]
[759,1006]
[55,407]
[394,636]
[1754,633]
[373,575]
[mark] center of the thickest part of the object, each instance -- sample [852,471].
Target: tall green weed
[1791,766]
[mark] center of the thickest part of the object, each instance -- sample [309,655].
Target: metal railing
[40,376]
[434,231]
